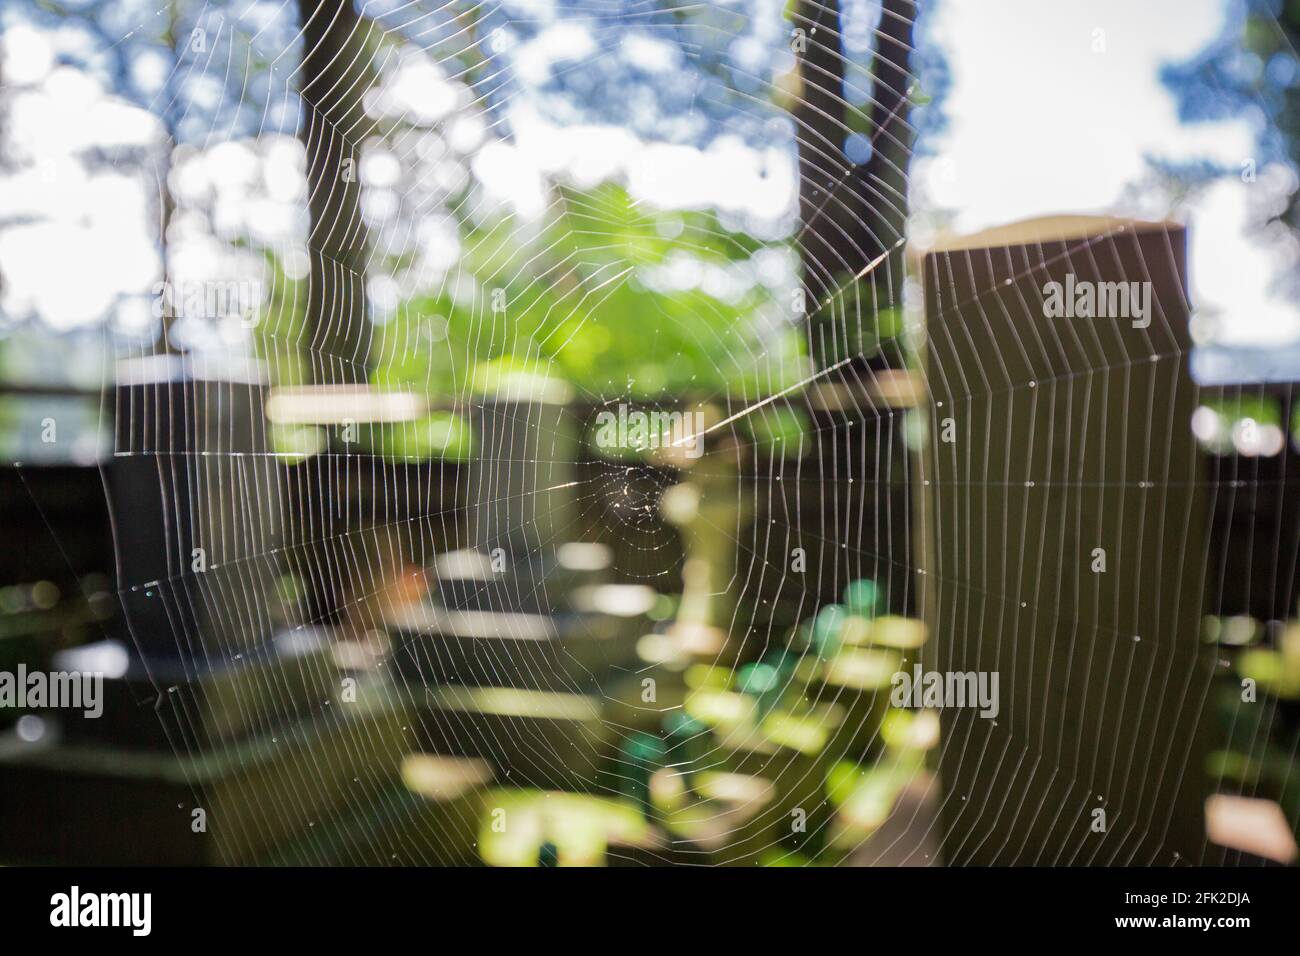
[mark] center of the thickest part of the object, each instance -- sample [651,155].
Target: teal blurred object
[641,755]
[862,597]
[764,683]
[688,742]
[826,630]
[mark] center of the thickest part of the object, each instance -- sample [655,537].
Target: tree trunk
[852,215]
[335,75]
[826,209]
[882,181]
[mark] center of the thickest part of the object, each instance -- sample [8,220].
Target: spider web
[446,564]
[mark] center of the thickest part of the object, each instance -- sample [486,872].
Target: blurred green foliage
[606,296]
[615,298]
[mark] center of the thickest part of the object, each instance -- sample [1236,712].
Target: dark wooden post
[1065,520]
